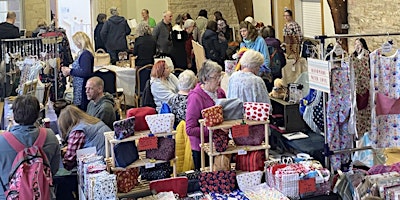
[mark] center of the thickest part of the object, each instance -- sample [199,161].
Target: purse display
[219,182]
[220,140]
[249,179]
[232,108]
[124,128]
[125,154]
[140,114]
[256,111]
[160,171]
[256,136]
[213,115]
[101,58]
[161,123]
[252,161]
[127,179]
[165,150]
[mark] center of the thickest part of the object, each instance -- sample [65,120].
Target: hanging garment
[338,112]
[313,115]
[385,113]
[362,77]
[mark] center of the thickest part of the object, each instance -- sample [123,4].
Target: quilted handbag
[249,179]
[160,171]
[256,136]
[124,128]
[101,58]
[178,185]
[219,182]
[165,150]
[220,140]
[232,108]
[127,179]
[161,123]
[252,161]
[213,115]
[222,162]
[140,114]
[256,111]
[125,154]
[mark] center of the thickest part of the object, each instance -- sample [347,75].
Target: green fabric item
[152,22]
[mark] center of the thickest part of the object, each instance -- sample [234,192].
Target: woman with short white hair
[245,84]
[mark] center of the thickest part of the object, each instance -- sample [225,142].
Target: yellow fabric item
[392,155]
[240,54]
[182,149]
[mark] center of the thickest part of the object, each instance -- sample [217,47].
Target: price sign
[307,185]
[242,152]
[241,130]
[150,165]
[147,143]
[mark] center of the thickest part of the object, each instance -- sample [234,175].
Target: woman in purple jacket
[202,96]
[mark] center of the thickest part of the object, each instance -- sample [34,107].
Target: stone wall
[34,10]
[193,7]
[366,16]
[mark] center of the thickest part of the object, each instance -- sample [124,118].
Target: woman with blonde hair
[80,130]
[82,68]
[164,84]
[41,28]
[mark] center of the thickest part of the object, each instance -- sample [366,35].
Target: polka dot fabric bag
[256,111]
[161,123]
[222,182]
[249,179]
[213,115]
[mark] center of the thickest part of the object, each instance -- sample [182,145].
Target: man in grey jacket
[101,104]
[114,33]
[162,34]
[25,112]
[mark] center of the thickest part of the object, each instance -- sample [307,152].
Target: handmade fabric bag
[256,136]
[127,179]
[160,171]
[213,115]
[165,150]
[161,123]
[101,58]
[178,185]
[249,179]
[140,114]
[125,154]
[252,161]
[219,182]
[220,140]
[222,162]
[124,128]
[232,108]
[256,111]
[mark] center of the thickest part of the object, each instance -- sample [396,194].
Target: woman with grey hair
[186,82]
[189,27]
[245,84]
[202,96]
[145,45]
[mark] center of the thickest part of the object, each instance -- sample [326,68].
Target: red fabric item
[362,100]
[386,105]
[252,161]
[177,185]
[127,180]
[139,114]
[75,141]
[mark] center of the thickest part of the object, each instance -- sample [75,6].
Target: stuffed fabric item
[125,154]
[232,108]
[161,123]
[249,179]
[222,162]
[236,194]
[222,182]
[256,136]
[213,115]
[252,161]
[177,185]
[127,179]
[124,128]
[160,171]
[256,111]
[220,140]
[279,90]
[139,114]
[165,151]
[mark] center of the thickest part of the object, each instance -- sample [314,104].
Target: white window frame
[311,18]
[18,11]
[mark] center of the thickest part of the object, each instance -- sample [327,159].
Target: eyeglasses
[286,15]
[217,77]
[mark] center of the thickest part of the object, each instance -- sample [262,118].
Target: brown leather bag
[222,162]
[101,58]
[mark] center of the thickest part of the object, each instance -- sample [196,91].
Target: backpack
[30,176]
[275,62]
[147,96]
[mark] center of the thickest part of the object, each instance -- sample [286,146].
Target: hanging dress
[385,112]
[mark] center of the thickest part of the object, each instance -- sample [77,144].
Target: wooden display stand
[143,187]
[208,147]
[293,121]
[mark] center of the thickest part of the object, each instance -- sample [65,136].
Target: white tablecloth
[126,79]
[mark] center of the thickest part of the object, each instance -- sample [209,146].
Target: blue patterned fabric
[236,194]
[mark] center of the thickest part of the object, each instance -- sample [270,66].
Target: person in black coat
[98,42]
[7,29]
[215,50]
[114,33]
[145,45]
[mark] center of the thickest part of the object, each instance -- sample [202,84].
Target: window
[11,5]
[312,18]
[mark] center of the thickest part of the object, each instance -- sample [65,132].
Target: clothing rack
[43,48]
[327,151]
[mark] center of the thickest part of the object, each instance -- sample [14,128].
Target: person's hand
[66,71]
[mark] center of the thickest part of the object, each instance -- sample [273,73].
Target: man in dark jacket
[7,29]
[114,33]
[101,104]
[162,34]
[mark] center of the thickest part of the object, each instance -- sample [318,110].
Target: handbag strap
[100,51]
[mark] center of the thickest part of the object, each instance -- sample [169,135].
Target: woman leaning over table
[82,69]
[202,96]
